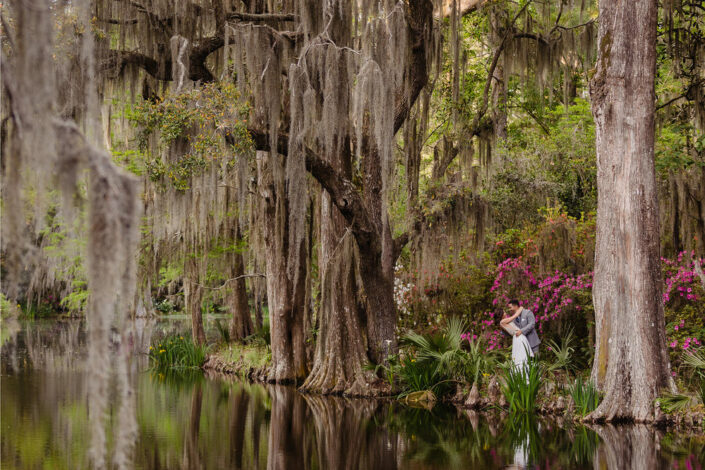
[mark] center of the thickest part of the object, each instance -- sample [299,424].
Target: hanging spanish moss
[49,151]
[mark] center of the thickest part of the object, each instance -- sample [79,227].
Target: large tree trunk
[285,296]
[241,322]
[631,365]
[193,296]
[341,349]
[377,266]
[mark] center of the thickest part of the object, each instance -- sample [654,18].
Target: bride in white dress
[521,350]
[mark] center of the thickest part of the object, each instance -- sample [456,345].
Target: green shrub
[437,361]
[585,396]
[478,361]
[434,361]
[416,376]
[177,351]
[521,386]
[164,307]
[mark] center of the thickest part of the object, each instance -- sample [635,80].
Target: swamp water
[195,422]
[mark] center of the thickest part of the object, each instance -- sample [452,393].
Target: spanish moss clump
[47,151]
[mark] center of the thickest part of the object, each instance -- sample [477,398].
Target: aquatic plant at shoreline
[585,396]
[520,386]
[177,351]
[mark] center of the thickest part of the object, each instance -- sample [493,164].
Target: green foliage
[170,273]
[133,161]
[520,386]
[251,355]
[585,396]
[177,351]
[164,307]
[436,361]
[695,359]
[462,289]
[261,336]
[553,161]
[415,376]
[479,362]
[7,308]
[210,120]
[75,302]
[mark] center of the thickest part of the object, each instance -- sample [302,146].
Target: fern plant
[673,402]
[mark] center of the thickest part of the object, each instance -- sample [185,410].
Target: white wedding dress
[521,352]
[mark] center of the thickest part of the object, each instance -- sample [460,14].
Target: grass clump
[252,355]
[585,396]
[177,352]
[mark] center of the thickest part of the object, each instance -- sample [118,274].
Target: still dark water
[200,423]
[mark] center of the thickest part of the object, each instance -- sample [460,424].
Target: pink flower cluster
[687,343]
[486,329]
[549,297]
[681,279]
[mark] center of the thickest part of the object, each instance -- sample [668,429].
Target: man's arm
[531,324]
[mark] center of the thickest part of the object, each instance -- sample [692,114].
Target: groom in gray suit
[526,322]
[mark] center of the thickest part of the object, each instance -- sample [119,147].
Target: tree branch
[341,190]
[257,17]
[118,59]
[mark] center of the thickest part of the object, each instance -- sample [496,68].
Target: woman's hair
[514,302]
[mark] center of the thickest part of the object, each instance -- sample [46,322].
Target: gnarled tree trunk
[341,349]
[285,294]
[631,364]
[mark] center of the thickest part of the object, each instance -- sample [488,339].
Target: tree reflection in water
[187,421]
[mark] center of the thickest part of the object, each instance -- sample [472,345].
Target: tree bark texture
[631,363]
[193,296]
[285,296]
[241,322]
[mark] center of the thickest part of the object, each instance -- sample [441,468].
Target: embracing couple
[521,324]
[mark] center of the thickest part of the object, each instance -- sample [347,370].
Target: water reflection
[186,421]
